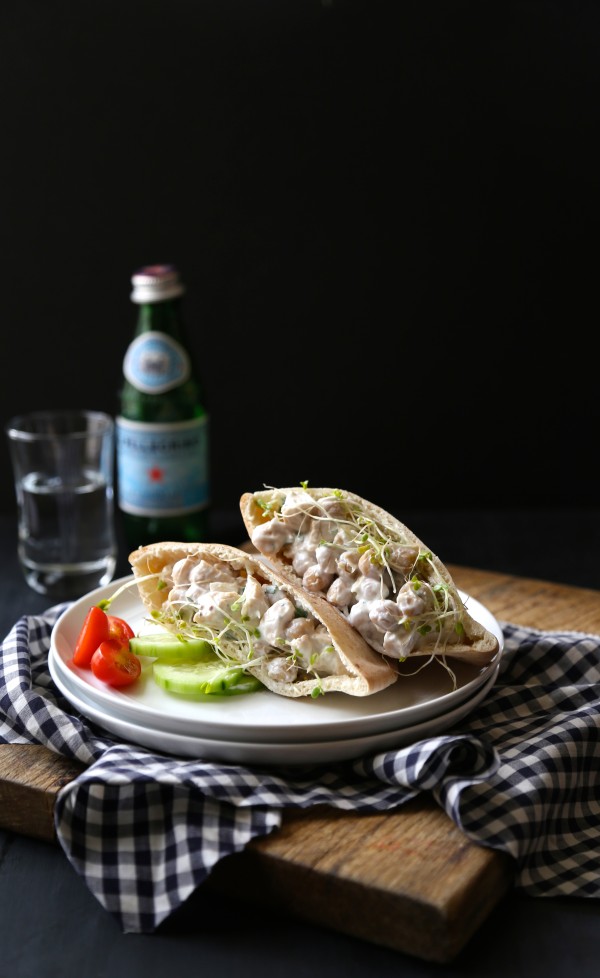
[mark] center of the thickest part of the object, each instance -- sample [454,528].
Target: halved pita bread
[292,641]
[369,565]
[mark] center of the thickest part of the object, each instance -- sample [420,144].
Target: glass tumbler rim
[22,427]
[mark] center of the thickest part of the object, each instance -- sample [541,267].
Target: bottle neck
[161,317]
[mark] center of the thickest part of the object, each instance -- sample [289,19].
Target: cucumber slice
[204,679]
[169,648]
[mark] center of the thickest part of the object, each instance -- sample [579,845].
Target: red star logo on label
[155,474]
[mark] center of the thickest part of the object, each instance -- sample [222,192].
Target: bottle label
[155,363]
[162,469]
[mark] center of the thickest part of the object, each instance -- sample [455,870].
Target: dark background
[385,213]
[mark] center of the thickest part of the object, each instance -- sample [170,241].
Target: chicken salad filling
[389,590]
[246,620]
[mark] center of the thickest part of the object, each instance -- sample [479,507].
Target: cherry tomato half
[119,630]
[115,665]
[94,630]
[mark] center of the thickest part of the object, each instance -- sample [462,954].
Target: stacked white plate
[263,728]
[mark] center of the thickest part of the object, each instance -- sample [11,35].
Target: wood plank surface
[408,880]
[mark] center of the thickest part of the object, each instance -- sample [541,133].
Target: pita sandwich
[386,583]
[293,641]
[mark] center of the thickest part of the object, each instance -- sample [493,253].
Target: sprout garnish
[380,545]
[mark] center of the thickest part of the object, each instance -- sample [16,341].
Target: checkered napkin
[520,774]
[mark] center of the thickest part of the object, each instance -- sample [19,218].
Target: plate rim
[293,753]
[135,711]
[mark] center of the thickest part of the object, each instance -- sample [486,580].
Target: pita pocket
[387,584]
[293,641]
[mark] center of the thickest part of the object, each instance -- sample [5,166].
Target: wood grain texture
[30,778]
[534,603]
[407,879]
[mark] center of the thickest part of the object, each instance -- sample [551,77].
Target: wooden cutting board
[408,880]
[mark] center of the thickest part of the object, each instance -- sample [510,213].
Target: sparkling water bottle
[162,444]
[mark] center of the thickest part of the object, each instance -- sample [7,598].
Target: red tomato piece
[115,665]
[94,630]
[119,630]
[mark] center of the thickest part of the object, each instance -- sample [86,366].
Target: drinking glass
[63,466]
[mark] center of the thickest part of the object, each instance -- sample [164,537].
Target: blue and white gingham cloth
[520,774]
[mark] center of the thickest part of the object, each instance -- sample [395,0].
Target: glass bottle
[162,443]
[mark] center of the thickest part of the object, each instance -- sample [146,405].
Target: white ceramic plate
[261,717]
[248,752]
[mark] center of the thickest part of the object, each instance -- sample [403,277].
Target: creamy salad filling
[247,620]
[389,590]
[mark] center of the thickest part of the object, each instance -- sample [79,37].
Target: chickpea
[402,558]
[298,627]
[315,579]
[385,615]
[347,563]
[340,593]
[368,565]
[412,602]
[327,559]
[303,559]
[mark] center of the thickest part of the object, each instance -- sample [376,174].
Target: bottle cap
[154,283]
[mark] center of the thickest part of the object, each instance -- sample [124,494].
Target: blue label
[162,469]
[155,363]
